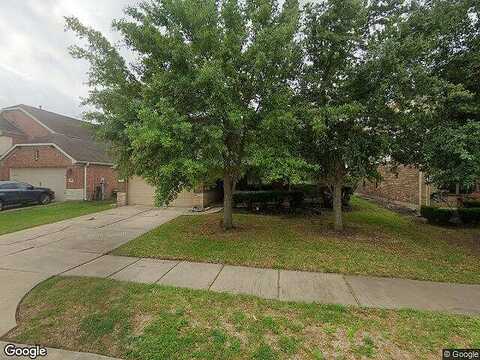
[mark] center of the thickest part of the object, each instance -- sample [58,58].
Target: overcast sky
[35,67]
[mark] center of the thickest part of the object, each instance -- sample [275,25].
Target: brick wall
[95,173]
[50,157]
[402,186]
[26,157]
[75,177]
[25,123]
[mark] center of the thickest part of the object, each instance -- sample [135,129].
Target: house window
[36,156]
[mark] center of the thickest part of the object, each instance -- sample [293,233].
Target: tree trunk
[337,205]
[228,188]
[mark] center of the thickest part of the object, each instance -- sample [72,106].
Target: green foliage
[327,196]
[307,243]
[470,216]
[11,221]
[436,48]
[471,204]
[438,216]
[295,198]
[205,76]
[339,130]
[467,215]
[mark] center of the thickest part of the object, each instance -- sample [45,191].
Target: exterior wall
[141,193]
[122,199]
[29,126]
[74,194]
[95,174]
[401,187]
[24,157]
[210,197]
[6,143]
[50,157]
[75,175]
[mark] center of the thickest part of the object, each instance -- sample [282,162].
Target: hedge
[437,215]
[440,216]
[295,198]
[470,215]
[471,204]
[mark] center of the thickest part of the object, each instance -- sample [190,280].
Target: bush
[437,215]
[470,215]
[327,196]
[471,204]
[310,191]
[264,198]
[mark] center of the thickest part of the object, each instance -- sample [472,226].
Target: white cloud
[35,67]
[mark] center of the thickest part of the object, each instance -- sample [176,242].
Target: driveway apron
[31,256]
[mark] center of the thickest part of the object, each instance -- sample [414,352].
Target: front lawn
[376,242]
[138,321]
[19,219]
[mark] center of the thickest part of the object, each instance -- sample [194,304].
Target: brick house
[51,150]
[406,186]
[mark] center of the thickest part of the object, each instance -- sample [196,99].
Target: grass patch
[376,242]
[20,219]
[138,321]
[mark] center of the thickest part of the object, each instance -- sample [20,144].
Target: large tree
[205,76]
[437,56]
[343,117]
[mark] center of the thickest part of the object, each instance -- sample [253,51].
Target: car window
[9,186]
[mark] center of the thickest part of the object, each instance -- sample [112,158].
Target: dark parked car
[14,192]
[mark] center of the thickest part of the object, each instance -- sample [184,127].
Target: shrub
[264,198]
[470,215]
[327,196]
[309,190]
[471,204]
[437,215]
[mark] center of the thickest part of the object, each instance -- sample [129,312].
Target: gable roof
[75,137]
[7,127]
[57,123]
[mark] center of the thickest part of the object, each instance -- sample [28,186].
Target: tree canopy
[329,93]
[435,86]
[207,74]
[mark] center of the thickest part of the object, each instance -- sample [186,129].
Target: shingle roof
[9,128]
[79,149]
[73,136]
[60,123]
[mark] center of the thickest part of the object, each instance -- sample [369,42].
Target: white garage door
[44,177]
[141,193]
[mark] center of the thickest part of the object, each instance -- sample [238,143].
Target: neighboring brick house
[51,150]
[405,185]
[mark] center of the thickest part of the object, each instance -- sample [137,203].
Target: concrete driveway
[30,256]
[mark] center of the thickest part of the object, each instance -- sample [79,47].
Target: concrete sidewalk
[31,256]
[290,285]
[77,247]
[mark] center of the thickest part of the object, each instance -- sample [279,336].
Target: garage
[53,178]
[141,193]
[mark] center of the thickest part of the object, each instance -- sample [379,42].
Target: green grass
[376,242]
[19,219]
[138,321]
